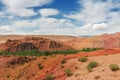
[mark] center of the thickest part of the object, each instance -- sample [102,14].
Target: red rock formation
[103,41]
[32,43]
[22,47]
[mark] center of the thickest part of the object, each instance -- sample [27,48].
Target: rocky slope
[33,43]
[103,41]
[27,68]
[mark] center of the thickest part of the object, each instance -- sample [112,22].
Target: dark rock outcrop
[22,47]
[33,43]
[19,61]
[54,44]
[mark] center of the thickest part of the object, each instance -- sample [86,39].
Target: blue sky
[59,17]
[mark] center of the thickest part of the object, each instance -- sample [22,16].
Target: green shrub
[63,61]
[46,53]
[49,77]
[92,65]
[83,59]
[40,66]
[76,67]
[97,77]
[8,76]
[38,53]
[114,67]
[68,72]
[90,49]
[44,57]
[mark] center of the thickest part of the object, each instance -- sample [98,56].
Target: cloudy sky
[59,17]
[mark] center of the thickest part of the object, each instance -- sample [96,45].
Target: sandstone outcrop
[33,43]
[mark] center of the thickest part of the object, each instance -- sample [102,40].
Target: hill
[102,41]
[33,43]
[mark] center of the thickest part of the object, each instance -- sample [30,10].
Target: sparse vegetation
[33,75]
[90,49]
[68,72]
[92,65]
[45,58]
[49,77]
[76,67]
[114,67]
[8,76]
[83,59]
[63,61]
[40,66]
[46,53]
[62,66]
[97,77]
[38,53]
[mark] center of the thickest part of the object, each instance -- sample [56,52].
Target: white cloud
[42,26]
[41,23]
[92,12]
[95,12]
[114,22]
[92,27]
[20,7]
[5,28]
[8,29]
[101,26]
[56,26]
[1,14]
[22,12]
[48,12]
[24,24]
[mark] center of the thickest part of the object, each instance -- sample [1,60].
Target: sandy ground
[2,42]
[102,71]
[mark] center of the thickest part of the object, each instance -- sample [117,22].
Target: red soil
[53,65]
[94,53]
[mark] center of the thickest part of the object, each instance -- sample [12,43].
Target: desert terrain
[62,57]
[59,39]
